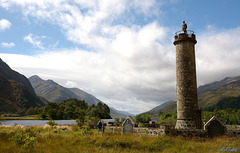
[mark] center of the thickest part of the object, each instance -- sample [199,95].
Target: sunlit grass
[53,140]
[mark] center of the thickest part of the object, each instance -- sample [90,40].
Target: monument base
[185,124]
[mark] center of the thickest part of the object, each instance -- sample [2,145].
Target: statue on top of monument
[184,27]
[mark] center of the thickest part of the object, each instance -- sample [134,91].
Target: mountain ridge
[16,95]
[209,94]
[10,74]
[54,92]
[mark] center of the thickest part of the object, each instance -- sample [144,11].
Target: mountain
[16,94]
[50,90]
[160,107]
[217,84]
[210,95]
[82,95]
[155,111]
[9,74]
[119,114]
[53,92]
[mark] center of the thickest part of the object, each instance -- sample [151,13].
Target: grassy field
[20,118]
[51,140]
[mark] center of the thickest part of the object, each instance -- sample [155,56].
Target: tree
[117,121]
[167,118]
[31,111]
[71,109]
[142,118]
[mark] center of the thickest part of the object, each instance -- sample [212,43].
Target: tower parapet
[181,36]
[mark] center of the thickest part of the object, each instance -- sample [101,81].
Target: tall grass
[56,141]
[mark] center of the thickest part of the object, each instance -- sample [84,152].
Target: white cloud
[130,66]
[218,55]
[85,22]
[7,45]
[71,84]
[139,75]
[4,24]
[35,40]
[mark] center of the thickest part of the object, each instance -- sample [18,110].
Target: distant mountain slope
[82,95]
[215,85]
[15,97]
[209,95]
[214,92]
[119,114]
[54,92]
[155,111]
[50,90]
[9,74]
[160,107]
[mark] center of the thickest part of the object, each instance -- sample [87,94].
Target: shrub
[141,125]
[75,128]
[51,123]
[91,122]
[142,118]
[25,140]
[117,121]
[86,129]
[43,115]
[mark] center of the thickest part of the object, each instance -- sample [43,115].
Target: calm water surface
[35,122]
[41,122]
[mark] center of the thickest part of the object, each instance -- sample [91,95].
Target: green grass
[56,141]
[21,118]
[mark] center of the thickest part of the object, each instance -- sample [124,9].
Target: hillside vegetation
[71,109]
[227,117]
[16,92]
[15,97]
[51,91]
[210,96]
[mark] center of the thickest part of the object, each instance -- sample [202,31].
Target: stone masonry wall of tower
[187,102]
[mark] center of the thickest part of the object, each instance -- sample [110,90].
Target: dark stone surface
[215,129]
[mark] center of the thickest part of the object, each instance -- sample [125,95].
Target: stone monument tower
[188,114]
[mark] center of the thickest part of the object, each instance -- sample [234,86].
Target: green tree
[142,118]
[167,118]
[81,118]
[31,111]
[117,121]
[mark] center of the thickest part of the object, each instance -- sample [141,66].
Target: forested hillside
[70,109]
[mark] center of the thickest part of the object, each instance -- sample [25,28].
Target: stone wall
[168,130]
[233,133]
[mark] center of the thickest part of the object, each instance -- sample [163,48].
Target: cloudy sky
[120,51]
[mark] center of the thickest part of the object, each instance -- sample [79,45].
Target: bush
[117,121]
[168,118]
[86,129]
[142,118]
[25,140]
[75,128]
[43,115]
[91,122]
[51,123]
[141,125]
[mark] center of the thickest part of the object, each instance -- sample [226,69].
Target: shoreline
[20,118]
